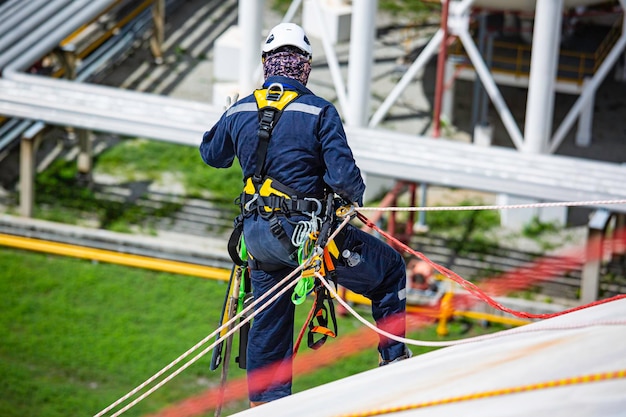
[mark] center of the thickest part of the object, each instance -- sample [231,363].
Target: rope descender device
[348,210]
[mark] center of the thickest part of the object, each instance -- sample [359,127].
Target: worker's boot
[406,355]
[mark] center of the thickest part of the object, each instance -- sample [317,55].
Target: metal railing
[574,66]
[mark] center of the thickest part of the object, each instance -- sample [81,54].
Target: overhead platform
[378,152]
[491,169]
[536,370]
[106,109]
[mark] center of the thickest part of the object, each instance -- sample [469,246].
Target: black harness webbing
[271,103]
[324,308]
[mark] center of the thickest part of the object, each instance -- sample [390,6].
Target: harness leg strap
[279,233]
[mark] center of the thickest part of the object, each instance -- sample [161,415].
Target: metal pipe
[9,7]
[291,12]
[477,95]
[441,69]
[250,27]
[333,63]
[492,89]
[419,63]
[13,23]
[25,26]
[10,131]
[45,37]
[543,72]
[590,88]
[362,34]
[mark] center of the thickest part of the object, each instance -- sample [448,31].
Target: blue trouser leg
[270,342]
[381,277]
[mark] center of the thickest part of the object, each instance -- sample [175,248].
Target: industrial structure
[529,173]
[474,42]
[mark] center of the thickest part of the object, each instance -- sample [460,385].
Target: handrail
[578,65]
[607,44]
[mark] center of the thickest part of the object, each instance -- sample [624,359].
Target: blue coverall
[308,152]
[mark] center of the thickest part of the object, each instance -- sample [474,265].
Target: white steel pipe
[25,18]
[419,63]
[543,71]
[362,34]
[590,88]
[291,11]
[492,89]
[250,27]
[333,62]
[45,37]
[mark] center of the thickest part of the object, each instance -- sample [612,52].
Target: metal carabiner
[318,203]
[272,94]
[246,206]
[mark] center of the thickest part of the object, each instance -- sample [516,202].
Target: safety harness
[275,202]
[265,195]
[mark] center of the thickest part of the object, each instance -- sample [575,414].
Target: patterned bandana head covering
[288,64]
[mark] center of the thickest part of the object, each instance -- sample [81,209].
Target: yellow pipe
[78,31]
[103,37]
[443,316]
[109,33]
[137,261]
[491,318]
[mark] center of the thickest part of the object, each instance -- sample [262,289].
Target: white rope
[202,342]
[243,313]
[497,207]
[503,333]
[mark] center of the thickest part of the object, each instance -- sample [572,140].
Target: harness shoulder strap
[271,103]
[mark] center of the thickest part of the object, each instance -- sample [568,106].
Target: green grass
[62,197]
[140,159]
[77,335]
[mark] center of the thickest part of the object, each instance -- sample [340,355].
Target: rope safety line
[497,207]
[346,220]
[471,287]
[199,344]
[504,333]
[247,318]
[576,380]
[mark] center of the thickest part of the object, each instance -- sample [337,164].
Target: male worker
[289,165]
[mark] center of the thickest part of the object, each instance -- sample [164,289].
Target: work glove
[230,100]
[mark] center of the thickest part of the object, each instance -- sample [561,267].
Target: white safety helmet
[287,34]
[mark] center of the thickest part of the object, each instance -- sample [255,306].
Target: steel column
[362,34]
[158,35]
[250,27]
[543,71]
[590,88]
[441,69]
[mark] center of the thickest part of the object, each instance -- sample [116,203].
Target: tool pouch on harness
[236,245]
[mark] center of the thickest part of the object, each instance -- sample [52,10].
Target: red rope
[296,345]
[472,288]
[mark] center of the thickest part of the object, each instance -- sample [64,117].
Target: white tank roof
[586,342]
